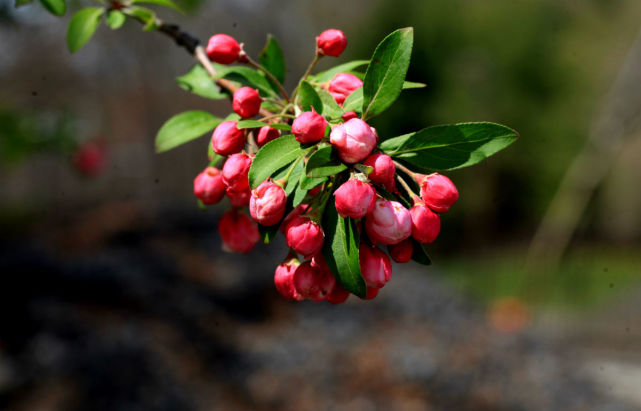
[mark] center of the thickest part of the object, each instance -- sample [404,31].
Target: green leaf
[272,58]
[249,124]
[267,234]
[448,147]
[386,71]
[280,126]
[199,82]
[184,127]
[307,183]
[420,254]
[115,19]
[214,158]
[354,102]
[166,3]
[331,109]
[308,98]
[247,77]
[147,16]
[82,26]
[272,156]
[56,7]
[412,84]
[20,3]
[324,162]
[294,177]
[341,250]
[327,75]
[299,195]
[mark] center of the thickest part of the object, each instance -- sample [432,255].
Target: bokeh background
[115,293]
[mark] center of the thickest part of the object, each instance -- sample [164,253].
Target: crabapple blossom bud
[389,223]
[266,134]
[375,266]
[354,199]
[349,115]
[223,49]
[354,140]
[338,295]
[383,168]
[298,210]
[284,280]
[227,139]
[438,191]
[311,282]
[89,159]
[239,198]
[267,203]
[246,102]
[309,127]
[238,231]
[331,42]
[372,292]
[401,252]
[236,170]
[209,186]
[304,236]
[342,85]
[426,224]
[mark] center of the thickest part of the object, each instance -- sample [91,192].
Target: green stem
[276,116]
[307,73]
[270,75]
[407,188]
[405,169]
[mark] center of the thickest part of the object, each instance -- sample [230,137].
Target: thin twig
[407,188]
[270,75]
[405,169]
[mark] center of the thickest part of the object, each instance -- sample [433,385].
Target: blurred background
[115,293]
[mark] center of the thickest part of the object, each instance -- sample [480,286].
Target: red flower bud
[89,159]
[239,198]
[209,186]
[401,252]
[389,223]
[297,211]
[311,282]
[236,170]
[375,266]
[383,168]
[338,295]
[267,203]
[304,236]
[246,102]
[426,224]
[354,199]
[349,115]
[284,280]
[266,134]
[309,127]
[227,139]
[342,85]
[354,140]
[223,49]
[239,232]
[372,292]
[331,42]
[438,191]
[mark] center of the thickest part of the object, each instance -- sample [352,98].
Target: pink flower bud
[227,139]
[284,280]
[209,186]
[297,211]
[304,236]
[331,42]
[246,102]
[438,191]
[267,203]
[238,231]
[401,252]
[354,199]
[266,134]
[383,168]
[342,85]
[426,224]
[236,170]
[372,292]
[349,115]
[309,127]
[223,49]
[310,282]
[89,159]
[375,266]
[354,140]
[239,198]
[338,295]
[389,223]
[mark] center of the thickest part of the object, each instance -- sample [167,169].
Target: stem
[307,73]
[405,169]
[251,142]
[407,188]
[276,116]
[270,75]
[289,172]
